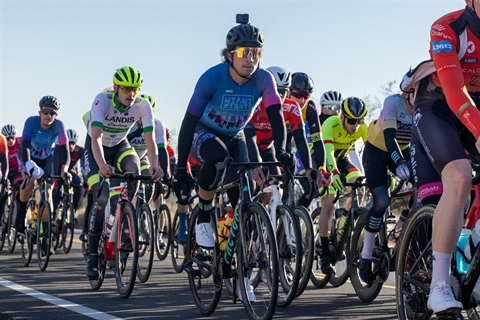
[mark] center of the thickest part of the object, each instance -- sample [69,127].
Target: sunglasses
[331,107]
[126,90]
[10,138]
[72,143]
[243,52]
[354,121]
[282,91]
[300,94]
[49,112]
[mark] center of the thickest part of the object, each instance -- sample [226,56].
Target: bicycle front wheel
[68,227]
[307,236]
[257,263]
[163,225]
[146,245]
[177,248]
[44,235]
[364,292]
[126,249]
[317,277]
[26,249]
[414,266]
[11,232]
[102,264]
[203,268]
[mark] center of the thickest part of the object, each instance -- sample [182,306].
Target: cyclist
[258,132]
[340,134]
[330,103]
[446,122]
[222,104]
[172,155]
[112,116]
[41,135]
[300,91]
[387,148]
[4,174]
[9,131]
[76,160]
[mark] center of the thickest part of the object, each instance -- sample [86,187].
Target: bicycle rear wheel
[178,250]
[414,266]
[26,248]
[44,235]
[68,227]
[203,268]
[56,228]
[341,268]
[307,236]
[290,254]
[258,261]
[126,250]
[318,279]
[364,292]
[163,225]
[96,284]
[146,242]
[11,232]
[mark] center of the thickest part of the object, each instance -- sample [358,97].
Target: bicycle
[178,249]
[339,239]
[40,226]
[253,241]
[383,253]
[163,223]
[146,236]
[64,229]
[123,238]
[414,269]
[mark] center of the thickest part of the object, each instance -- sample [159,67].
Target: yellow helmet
[150,99]
[128,77]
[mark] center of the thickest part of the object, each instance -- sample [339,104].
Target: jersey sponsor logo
[469,60]
[441,46]
[438,27]
[237,102]
[120,119]
[440,34]
[416,117]
[475,70]
[291,108]
[470,47]
[97,102]
[474,81]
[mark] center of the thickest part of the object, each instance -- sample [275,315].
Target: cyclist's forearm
[164,160]
[152,152]
[302,147]
[185,138]
[279,132]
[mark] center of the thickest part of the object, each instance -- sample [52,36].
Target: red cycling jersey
[263,128]
[13,165]
[457,77]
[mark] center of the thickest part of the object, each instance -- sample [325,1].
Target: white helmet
[331,98]
[283,78]
[9,130]
[72,135]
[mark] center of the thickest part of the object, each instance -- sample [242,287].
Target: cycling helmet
[244,35]
[150,99]
[331,98]
[72,135]
[302,82]
[128,77]
[354,108]
[9,130]
[49,101]
[283,78]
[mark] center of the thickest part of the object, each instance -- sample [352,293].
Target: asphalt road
[63,292]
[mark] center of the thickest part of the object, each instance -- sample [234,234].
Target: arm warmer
[302,147]
[251,139]
[185,138]
[390,135]
[279,132]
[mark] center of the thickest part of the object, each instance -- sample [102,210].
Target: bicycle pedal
[452,314]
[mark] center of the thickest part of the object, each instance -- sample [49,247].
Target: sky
[71,49]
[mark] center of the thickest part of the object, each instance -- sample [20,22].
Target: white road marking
[88,312]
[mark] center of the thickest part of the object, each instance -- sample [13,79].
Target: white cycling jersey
[116,120]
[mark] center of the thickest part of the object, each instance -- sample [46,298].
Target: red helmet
[169,136]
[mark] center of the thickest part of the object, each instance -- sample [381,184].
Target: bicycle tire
[258,262]
[44,235]
[146,242]
[318,279]
[56,224]
[162,234]
[412,299]
[306,229]
[68,227]
[126,250]
[341,266]
[12,233]
[203,269]
[96,284]
[290,256]
[26,249]
[364,292]
[4,221]
[178,250]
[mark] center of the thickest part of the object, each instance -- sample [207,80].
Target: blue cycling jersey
[42,141]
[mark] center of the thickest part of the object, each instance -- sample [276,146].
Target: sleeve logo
[441,46]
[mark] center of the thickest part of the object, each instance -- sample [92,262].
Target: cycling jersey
[75,156]
[338,142]
[223,105]
[263,128]
[394,115]
[13,164]
[42,141]
[3,144]
[139,143]
[116,120]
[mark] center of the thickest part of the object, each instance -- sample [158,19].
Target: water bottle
[469,251]
[462,264]
[391,222]
[110,220]
[341,225]
[109,255]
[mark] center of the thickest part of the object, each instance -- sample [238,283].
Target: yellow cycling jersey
[338,142]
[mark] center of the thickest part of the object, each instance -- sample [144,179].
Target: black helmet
[49,101]
[244,35]
[302,82]
[354,108]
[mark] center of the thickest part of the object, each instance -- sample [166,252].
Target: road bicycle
[64,228]
[414,268]
[251,241]
[123,237]
[339,239]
